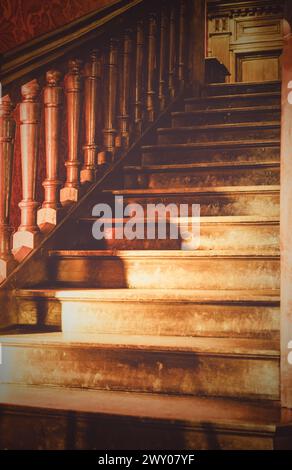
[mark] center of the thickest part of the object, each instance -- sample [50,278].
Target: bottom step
[52,418]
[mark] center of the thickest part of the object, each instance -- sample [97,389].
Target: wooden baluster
[49,215]
[139,79]
[28,234]
[151,77]
[110,111]
[125,93]
[182,43]
[172,52]
[162,93]
[7,135]
[91,89]
[70,193]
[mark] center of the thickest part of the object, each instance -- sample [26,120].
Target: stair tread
[225,413]
[241,125]
[178,344]
[157,295]
[203,190]
[276,94]
[166,254]
[217,144]
[216,219]
[235,109]
[203,166]
[260,84]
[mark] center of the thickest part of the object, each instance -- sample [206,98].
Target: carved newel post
[73,86]
[28,234]
[7,135]
[91,88]
[49,215]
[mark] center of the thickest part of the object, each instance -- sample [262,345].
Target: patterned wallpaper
[22,20]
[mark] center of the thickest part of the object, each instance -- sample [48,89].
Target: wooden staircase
[139,344]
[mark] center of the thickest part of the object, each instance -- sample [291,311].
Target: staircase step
[159,364]
[202,174]
[226,115]
[118,420]
[234,233]
[214,201]
[233,151]
[242,314]
[243,88]
[213,132]
[233,101]
[171,269]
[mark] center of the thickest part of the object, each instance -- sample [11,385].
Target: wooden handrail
[110,88]
[43,50]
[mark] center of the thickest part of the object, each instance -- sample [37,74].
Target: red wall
[22,20]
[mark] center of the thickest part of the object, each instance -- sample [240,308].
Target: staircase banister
[42,51]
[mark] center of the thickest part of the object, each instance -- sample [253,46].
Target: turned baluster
[49,215]
[27,236]
[91,89]
[172,52]
[124,117]
[110,81]
[151,76]
[7,135]
[139,79]
[182,43]
[162,93]
[70,193]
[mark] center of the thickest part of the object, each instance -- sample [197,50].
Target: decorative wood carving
[151,71]
[162,91]
[73,86]
[91,110]
[27,236]
[7,135]
[243,35]
[138,118]
[125,92]
[247,8]
[49,215]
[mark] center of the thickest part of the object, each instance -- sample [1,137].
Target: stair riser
[234,102]
[212,237]
[225,117]
[218,204]
[202,273]
[151,318]
[252,154]
[101,432]
[204,177]
[188,136]
[225,89]
[143,371]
